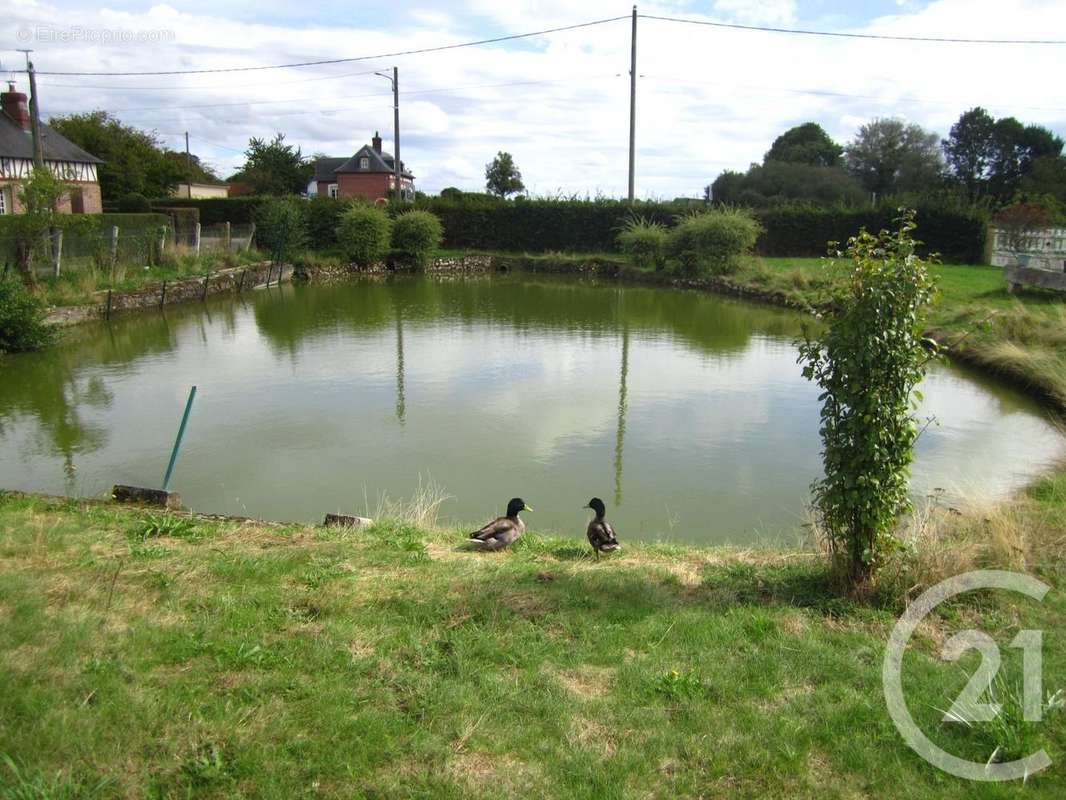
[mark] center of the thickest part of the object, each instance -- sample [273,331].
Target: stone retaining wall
[227,280]
[442,265]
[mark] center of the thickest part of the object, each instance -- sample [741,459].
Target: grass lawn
[1020,337]
[144,655]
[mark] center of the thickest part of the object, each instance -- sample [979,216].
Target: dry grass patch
[495,774]
[586,681]
[593,736]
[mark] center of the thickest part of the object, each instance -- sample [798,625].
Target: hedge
[480,222]
[593,226]
[213,210]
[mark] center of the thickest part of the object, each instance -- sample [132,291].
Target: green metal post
[177,442]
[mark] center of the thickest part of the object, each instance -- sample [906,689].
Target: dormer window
[364,163]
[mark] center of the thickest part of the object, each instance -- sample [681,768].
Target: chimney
[14,105]
[375,142]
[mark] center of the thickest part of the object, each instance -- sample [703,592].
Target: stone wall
[167,293]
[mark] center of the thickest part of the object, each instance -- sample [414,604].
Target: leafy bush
[323,216]
[712,241]
[22,315]
[364,234]
[415,235]
[280,227]
[134,203]
[644,242]
[868,361]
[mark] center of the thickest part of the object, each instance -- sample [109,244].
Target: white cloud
[708,98]
[765,12]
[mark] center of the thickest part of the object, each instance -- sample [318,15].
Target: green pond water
[685,412]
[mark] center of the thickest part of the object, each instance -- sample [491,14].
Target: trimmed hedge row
[483,223]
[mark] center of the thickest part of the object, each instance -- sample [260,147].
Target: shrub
[415,235]
[22,325]
[323,217]
[134,203]
[644,242]
[364,234]
[280,227]
[868,361]
[712,241]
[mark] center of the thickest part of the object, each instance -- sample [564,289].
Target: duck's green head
[516,505]
[597,505]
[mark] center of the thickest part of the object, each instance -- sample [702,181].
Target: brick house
[370,174]
[67,161]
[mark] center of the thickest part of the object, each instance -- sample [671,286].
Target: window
[364,163]
[77,202]
[333,190]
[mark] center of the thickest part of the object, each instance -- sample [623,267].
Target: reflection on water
[312,399]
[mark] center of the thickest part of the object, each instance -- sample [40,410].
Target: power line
[888,37]
[508,38]
[114,87]
[439,90]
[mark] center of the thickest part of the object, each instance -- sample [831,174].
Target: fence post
[57,251]
[162,239]
[108,312]
[163,296]
[227,236]
[203,294]
[114,248]
[251,237]
[196,239]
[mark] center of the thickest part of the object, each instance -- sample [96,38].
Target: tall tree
[888,156]
[274,168]
[502,176]
[134,161]
[969,149]
[1014,148]
[805,144]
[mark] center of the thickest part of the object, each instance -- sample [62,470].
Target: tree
[779,181]
[193,169]
[968,150]
[890,156]
[805,144]
[39,195]
[991,157]
[1014,148]
[274,168]
[868,362]
[502,176]
[134,160]
[1046,176]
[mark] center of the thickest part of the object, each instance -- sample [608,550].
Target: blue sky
[708,99]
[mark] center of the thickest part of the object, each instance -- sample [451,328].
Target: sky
[708,99]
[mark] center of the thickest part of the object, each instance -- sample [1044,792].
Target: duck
[601,535]
[503,531]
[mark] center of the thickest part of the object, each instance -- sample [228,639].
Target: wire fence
[113,250]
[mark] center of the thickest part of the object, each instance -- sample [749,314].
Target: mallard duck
[503,531]
[601,535]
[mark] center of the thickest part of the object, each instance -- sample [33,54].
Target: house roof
[325,167]
[17,143]
[378,162]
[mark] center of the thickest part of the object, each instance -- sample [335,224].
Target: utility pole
[394,79]
[35,114]
[396,130]
[633,106]
[188,168]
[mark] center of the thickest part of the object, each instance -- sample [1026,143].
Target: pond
[686,412]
